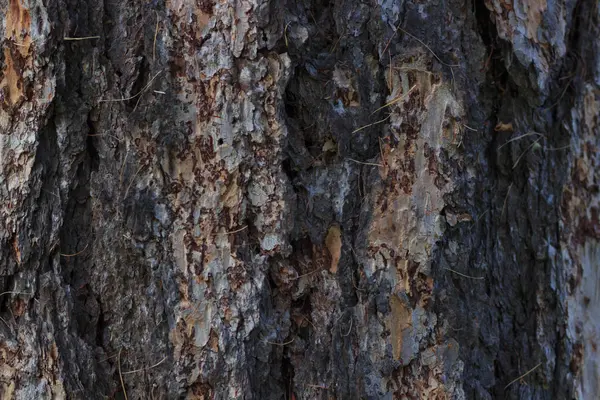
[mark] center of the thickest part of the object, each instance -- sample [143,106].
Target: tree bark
[299,199]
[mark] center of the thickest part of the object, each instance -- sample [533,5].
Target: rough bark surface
[299,199]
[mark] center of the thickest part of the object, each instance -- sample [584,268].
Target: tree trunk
[299,199]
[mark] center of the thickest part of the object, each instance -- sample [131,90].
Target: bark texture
[299,199]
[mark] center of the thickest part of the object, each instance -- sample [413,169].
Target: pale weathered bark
[300,199]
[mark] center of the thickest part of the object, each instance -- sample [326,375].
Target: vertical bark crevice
[331,92]
[514,112]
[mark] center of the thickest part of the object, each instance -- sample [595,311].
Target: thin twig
[307,274]
[525,152]
[145,369]
[11,292]
[391,37]
[317,386]
[479,217]
[391,76]
[374,123]
[364,163]
[123,169]
[280,344]
[335,44]
[432,52]
[521,137]
[310,322]
[351,321]
[505,200]
[108,358]
[421,70]
[133,180]
[232,232]
[52,193]
[105,134]
[75,254]
[487,62]
[469,128]
[155,35]
[456,330]
[428,48]
[463,275]
[557,148]
[427,207]
[121,375]
[136,104]
[561,94]
[285,33]
[396,100]
[523,376]
[66,38]
[356,287]
[135,95]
